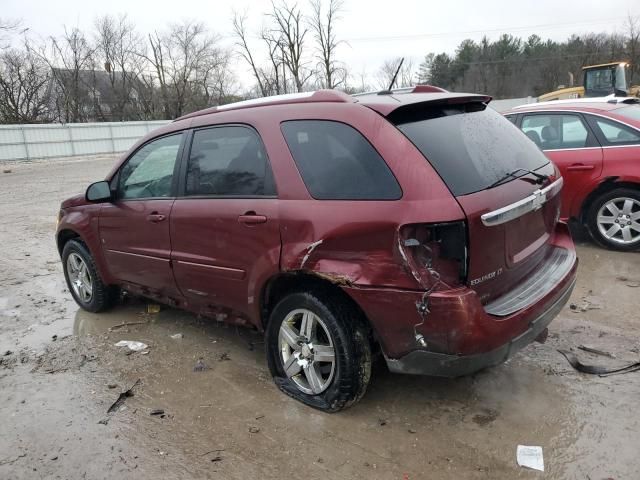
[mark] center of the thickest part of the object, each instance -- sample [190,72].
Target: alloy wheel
[307,351]
[619,220]
[79,277]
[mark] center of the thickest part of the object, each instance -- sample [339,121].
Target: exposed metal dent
[335,278]
[310,250]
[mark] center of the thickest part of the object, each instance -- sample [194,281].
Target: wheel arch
[288,282]
[63,237]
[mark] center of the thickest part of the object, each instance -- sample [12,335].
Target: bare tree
[633,45]
[7,27]
[71,61]
[240,32]
[322,24]
[118,46]
[23,82]
[183,59]
[290,27]
[388,69]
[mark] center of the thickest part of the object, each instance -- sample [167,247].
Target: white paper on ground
[530,457]
[132,345]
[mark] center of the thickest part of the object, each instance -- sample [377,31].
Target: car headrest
[549,134]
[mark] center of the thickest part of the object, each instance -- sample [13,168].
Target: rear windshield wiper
[540,178]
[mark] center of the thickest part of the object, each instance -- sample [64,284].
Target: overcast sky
[375,30]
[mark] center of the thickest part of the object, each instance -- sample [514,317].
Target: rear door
[569,142]
[225,225]
[134,228]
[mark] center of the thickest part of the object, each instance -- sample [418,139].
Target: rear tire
[83,279]
[326,366]
[613,219]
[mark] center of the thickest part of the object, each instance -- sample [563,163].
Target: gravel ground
[60,372]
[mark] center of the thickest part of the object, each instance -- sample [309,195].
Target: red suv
[596,145]
[420,224]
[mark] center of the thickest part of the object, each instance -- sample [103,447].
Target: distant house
[93,96]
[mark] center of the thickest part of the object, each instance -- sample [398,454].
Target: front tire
[83,279]
[318,350]
[613,219]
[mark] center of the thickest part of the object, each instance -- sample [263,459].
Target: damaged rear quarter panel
[355,242]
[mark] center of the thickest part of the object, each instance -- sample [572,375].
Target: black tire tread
[355,356]
[104,296]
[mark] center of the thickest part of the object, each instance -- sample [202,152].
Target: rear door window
[615,133]
[470,146]
[228,161]
[337,163]
[554,131]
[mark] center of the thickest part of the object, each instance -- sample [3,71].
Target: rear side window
[472,147]
[556,131]
[615,133]
[337,163]
[228,161]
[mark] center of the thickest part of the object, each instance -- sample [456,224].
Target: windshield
[472,147]
[632,112]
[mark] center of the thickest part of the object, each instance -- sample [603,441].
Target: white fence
[509,103]
[28,142]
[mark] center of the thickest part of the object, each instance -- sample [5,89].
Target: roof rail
[413,89]
[289,98]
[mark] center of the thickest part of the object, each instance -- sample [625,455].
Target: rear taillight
[435,254]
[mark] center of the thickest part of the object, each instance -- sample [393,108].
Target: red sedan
[596,145]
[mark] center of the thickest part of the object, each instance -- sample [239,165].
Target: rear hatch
[507,188]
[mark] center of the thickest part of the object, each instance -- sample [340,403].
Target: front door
[134,228]
[225,228]
[569,143]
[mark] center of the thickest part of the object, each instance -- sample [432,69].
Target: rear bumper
[461,334]
[420,362]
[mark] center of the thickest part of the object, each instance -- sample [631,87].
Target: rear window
[337,163]
[632,112]
[470,146]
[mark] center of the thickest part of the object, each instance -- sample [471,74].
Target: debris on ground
[111,385]
[585,306]
[132,345]
[597,369]
[223,357]
[156,412]
[254,430]
[530,457]
[382,422]
[126,324]
[115,406]
[7,170]
[596,351]
[153,308]
[177,336]
[200,366]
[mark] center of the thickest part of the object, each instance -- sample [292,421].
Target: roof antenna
[395,76]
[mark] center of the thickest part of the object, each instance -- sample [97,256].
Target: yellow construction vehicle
[598,81]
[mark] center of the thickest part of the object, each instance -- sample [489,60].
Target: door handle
[251,218]
[156,217]
[579,166]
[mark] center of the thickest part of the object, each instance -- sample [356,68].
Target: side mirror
[98,192]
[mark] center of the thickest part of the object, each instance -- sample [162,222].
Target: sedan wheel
[619,220]
[613,219]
